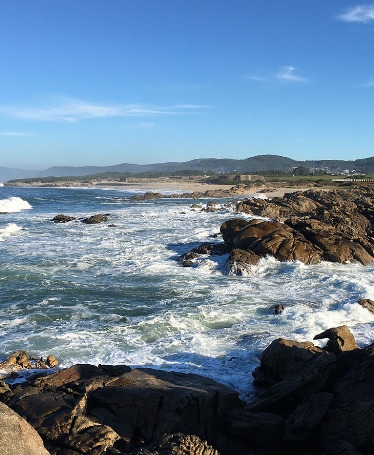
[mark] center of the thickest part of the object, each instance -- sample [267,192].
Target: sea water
[115,292]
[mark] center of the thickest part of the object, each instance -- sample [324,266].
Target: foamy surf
[14,204]
[9,230]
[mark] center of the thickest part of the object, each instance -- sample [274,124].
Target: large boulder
[18,437]
[95,219]
[283,358]
[276,239]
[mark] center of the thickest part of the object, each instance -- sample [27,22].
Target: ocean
[115,292]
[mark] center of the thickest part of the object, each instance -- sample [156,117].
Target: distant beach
[185,186]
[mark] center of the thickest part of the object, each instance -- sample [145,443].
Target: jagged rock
[148,196]
[52,361]
[62,218]
[94,219]
[17,437]
[338,224]
[283,358]
[340,339]
[285,395]
[19,359]
[230,228]
[311,402]
[240,261]
[340,447]
[336,247]
[367,303]
[275,239]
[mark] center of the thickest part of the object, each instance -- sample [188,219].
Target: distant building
[240,177]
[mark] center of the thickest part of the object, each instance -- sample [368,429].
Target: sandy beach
[185,186]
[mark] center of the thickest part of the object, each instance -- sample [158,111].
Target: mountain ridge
[217,165]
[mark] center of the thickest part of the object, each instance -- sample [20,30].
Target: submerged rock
[62,218]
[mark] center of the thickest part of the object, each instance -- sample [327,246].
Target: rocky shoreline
[311,401]
[309,226]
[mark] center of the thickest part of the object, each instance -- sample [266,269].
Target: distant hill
[217,165]
[7,173]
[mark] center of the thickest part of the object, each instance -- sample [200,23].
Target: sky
[104,82]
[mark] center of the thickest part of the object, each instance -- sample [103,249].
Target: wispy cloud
[71,110]
[369,83]
[14,133]
[358,13]
[284,74]
[287,73]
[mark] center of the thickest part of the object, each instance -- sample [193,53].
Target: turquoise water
[116,293]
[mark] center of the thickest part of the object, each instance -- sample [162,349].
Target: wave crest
[14,204]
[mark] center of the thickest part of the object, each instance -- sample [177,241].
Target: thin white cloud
[358,13]
[71,110]
[284,74]
[369,83]
[287,73]
[14,133]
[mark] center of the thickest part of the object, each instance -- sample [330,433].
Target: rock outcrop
[309,227]
[220,193]
[113,409]
[61,218]
[311,400]
[94,219]
[19,361]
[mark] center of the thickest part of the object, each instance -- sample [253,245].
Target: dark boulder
[275,239]
[62,218]
[94,219]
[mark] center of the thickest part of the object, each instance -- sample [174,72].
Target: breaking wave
[14,204]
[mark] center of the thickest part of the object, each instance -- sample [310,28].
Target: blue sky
[94,82]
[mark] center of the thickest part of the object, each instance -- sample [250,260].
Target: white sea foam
[8,230]
[14,204]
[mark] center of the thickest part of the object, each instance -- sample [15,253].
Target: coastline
[190,187]
[183,186]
